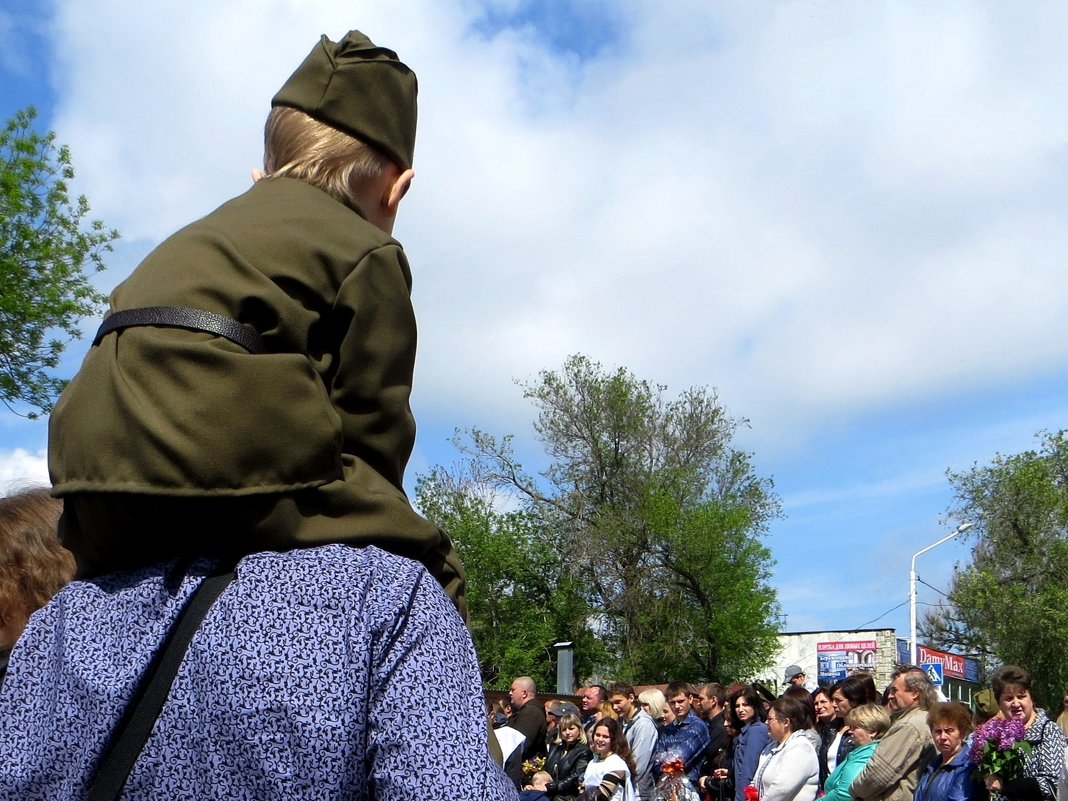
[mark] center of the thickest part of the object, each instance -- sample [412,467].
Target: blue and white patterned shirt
[326,673]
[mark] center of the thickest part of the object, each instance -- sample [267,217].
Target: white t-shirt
[598,768]
[832,751]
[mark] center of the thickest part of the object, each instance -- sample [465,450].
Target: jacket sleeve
[572,782]
[411,758]
[371,383]
[795,767]
[746,765]
[896,754]
[644,744]
[841,778]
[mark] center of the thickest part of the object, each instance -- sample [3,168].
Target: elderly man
[894,769]
[528,717]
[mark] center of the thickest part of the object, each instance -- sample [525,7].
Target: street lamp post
[912,586]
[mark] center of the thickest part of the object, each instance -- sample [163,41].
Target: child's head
[540,780]
[345,122]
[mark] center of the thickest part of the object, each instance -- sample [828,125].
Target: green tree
[47,253]
[519,598]
[1010,604]
[656,516]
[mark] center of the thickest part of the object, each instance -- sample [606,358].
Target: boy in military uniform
[249,389]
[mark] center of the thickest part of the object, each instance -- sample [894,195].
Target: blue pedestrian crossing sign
[933,671]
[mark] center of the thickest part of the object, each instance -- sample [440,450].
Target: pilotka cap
[359,88]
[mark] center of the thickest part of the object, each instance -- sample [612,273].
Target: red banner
[847,645]
[952,665]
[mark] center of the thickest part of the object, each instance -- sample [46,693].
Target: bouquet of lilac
[998,748]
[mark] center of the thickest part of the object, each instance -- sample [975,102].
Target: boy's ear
[396,189]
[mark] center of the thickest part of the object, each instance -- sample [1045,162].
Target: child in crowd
[538,788]
[248,399]
[249,389]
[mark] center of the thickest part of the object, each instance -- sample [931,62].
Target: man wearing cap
[794,677]
[641,733]
[554,710]
[247,399]
[285,325]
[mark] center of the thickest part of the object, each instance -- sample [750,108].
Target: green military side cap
[359,88]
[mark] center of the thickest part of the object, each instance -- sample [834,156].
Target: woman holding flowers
[949,776]
[1020,758]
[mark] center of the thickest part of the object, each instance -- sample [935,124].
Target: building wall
[804,648]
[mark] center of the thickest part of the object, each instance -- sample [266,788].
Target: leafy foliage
[46,247]
[1010,605]
[654,516]
[519,599]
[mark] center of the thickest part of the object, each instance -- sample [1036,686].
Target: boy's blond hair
[298,146]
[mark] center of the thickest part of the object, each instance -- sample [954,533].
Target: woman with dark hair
[808,726]
[609,775]
[949,774]
[33,565]
[746,714]
[790,770]
[828,725]
[1042,767]
[849,693]
[567,759]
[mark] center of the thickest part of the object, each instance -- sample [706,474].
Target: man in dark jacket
[528,716]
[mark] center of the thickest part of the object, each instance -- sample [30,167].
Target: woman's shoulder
[1043,731]
[576,751]
[861,751]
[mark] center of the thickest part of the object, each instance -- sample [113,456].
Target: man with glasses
[686,737]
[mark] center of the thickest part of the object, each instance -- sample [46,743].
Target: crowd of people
[843,742]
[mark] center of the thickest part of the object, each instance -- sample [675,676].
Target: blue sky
[847,217]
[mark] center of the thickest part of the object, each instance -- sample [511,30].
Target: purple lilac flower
[1011,733]
[987,731]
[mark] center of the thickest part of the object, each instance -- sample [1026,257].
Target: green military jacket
[315,433]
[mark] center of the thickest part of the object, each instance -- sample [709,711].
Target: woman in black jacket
[567,759]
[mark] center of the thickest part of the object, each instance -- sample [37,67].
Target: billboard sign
[953,666]
[839,658]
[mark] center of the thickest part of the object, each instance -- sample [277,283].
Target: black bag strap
[183,317]
[132,733]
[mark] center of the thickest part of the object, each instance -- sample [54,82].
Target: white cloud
[818,207]
[20,468]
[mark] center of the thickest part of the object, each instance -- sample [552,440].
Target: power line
[884,614]
[925,584]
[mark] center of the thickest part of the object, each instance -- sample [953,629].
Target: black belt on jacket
[182,317]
